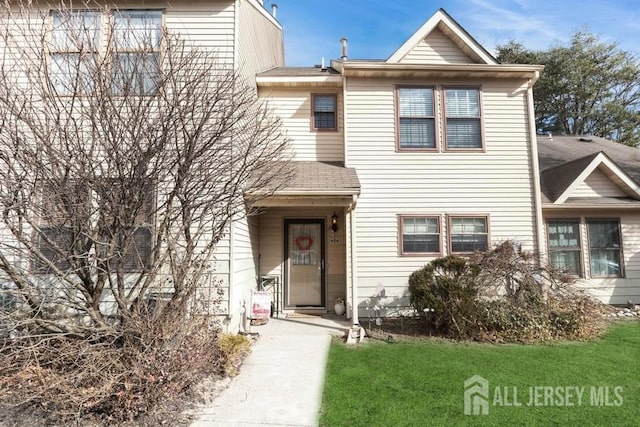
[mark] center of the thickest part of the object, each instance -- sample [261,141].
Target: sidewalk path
[281,381]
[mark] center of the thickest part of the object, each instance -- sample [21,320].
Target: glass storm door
[304,264]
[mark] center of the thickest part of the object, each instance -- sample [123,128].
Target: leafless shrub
[125,153]
[502,295]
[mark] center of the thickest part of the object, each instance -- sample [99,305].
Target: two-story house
[427,153]
[430,152]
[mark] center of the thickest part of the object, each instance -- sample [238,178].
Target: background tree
[588,87]
[125,152]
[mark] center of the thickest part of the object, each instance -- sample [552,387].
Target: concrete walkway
[281,381]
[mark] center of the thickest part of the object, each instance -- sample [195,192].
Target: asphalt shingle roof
[562,158]
[297,72]
[323,176]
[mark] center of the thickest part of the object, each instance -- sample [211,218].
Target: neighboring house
[591,209]
[243,35]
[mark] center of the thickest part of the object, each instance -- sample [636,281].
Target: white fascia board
[440,17]
[600,160]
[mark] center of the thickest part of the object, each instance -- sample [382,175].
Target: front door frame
[323,263]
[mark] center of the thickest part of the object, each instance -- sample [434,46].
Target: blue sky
[376,28]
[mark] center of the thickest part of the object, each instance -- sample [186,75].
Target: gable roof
[555,181]
[443,22]
[566,162]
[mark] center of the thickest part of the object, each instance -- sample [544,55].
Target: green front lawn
[421,383]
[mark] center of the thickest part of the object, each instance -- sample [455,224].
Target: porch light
[334,222]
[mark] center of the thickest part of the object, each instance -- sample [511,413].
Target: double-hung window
[420,235]
[462,118]
[605,250]
[126,247]
[416,118]
[60,236]
[564,245]
[137,38]
[324,111]
[468,234]
[73,51]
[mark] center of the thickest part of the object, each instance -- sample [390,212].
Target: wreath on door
[304,243]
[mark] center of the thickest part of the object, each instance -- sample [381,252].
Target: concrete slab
[281,381]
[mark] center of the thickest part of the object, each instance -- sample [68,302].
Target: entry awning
[315,184]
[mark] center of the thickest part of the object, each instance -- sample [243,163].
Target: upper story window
[137,37]
[468,234]
[131,44]
[416,121]
[75,39]
[420,234]
[462,118]
[564,245]
[605,249]
[324,111]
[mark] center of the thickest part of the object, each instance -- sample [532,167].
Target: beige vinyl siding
[208,24]
[244,265]
[436,48]
[260,44]
[596,185]
[293,107]
[272,246]
[497,183]
[611,290]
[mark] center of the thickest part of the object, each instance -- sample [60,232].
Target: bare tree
[125,153]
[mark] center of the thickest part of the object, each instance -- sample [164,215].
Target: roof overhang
[308,199]
[582,206]
[333,80]
[439,71]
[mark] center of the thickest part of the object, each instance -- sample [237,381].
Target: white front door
[304,264]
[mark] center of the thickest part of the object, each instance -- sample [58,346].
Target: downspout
[535,167]
[354,270]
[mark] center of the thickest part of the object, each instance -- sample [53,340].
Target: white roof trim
[600,160]
[441,17]
[277,80]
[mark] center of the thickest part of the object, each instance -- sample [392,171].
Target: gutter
[381,69]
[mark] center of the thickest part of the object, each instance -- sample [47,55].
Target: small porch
[305,237]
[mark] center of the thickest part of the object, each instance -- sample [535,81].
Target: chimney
[323,66]
[274,10]
[343,42]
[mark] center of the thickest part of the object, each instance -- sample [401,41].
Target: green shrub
[443,292]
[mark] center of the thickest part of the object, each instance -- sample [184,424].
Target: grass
[422,382]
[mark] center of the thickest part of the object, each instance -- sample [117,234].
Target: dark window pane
[469,234]
[55,244]
[463,133]
[324,111]
[420,234]
[417,133]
